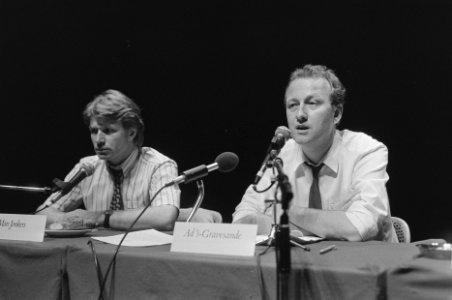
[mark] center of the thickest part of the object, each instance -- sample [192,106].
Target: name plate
[22,227]
[211,238]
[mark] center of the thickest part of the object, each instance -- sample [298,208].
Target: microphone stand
[27,188]
[58,185]
[283,234]
[198,202]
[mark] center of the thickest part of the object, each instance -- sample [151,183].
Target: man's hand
[202,215]
[79,219]
[264,222]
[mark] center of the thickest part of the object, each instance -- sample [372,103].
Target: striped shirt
[145,171]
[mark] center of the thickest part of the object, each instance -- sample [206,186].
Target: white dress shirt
[353,179]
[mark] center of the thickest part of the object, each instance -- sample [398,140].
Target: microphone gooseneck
[225,162]
[282,134]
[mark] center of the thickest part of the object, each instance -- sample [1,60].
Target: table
[63,268]
[422,278]
[31,270]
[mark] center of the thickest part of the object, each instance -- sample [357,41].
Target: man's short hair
[112,106]
[319,71]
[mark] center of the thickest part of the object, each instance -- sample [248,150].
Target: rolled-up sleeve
[371,205]
[253,202]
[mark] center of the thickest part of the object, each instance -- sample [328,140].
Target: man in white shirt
[353,203]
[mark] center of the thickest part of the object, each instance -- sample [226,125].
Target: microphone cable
[267,188]
[226,162]
[113,260]
[260,274]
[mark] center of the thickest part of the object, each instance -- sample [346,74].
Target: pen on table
[301,246]
[327,249]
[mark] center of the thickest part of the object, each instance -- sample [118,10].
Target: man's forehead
[103,122]
[309,85]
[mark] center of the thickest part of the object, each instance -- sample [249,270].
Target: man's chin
[301,139]
[103,156]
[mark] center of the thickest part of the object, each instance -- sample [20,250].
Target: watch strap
[107,214]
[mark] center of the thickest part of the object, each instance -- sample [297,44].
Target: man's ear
[132,133]
[338,111]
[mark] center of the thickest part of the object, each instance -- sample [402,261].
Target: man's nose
[301,115]
[100,138]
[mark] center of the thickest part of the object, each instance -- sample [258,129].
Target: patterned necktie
[116,201]
[315,201]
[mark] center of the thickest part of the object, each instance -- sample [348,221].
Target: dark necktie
[116,201]
[315,201]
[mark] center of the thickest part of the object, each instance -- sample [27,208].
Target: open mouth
[301,127]
[102,151]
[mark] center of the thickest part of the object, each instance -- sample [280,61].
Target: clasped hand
[79,219]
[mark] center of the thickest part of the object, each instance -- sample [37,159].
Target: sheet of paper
[263,239]
[141,238]
[309,239]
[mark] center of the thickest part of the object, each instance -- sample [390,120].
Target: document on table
[140,238]
[263,239]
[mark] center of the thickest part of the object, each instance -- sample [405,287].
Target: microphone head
[227,161]
[87,168]
[282,134]
[284,131]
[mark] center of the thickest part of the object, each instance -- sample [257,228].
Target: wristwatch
[107,214]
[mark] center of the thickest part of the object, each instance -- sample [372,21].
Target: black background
[210,78]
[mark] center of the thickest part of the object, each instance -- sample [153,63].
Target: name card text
[22,227]
[212,238]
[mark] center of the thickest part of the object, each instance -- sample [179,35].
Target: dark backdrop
[211,77]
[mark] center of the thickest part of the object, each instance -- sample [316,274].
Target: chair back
[402,230]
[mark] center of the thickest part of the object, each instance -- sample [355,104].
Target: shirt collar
[129,163]
[331,160]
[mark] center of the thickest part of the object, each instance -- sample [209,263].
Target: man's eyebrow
[304,99]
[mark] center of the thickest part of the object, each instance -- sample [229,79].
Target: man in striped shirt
[125,176]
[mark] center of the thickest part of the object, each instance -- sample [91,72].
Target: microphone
[225,162]
[282,134]
[66,186]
